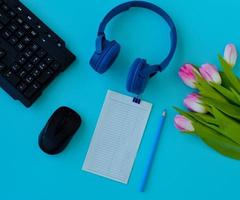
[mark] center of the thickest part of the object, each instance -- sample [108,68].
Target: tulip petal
[183,124]
[187,74]
[230,54]
[193,103]
[210,73]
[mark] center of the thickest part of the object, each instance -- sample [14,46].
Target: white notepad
[117,136]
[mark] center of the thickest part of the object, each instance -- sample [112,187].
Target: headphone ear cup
[136,81]
[101,62]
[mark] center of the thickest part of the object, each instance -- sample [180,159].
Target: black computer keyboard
[31,55]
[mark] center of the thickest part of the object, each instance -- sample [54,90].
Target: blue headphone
[107,51]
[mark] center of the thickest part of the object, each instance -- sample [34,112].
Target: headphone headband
[142,4]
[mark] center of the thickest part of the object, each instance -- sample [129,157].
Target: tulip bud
[194,103]
[183,124]
[230,54]
[188,74]
[210,74]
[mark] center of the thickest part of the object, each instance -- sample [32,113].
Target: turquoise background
[185,168]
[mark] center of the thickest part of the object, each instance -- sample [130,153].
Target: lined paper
[117,137]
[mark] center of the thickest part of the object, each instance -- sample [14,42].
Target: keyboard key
[22,73]
[19,8]
[33,33]
[26,40]
[35,60]
[20,20]
[46,76]
[55,66]
[11,13]
[20,33]
[28,66]
[49,35]
[20,46]
[32,90]
[28,53]
[15,67]
[3,18]
[6,34]
[29,18]
[48,60]
[41,53]
[13,40]
[13,27]
[22,60]
[29,79]
[35,72]
[42,66]
[26,27]
[22,86]
[12,78]
[5,7]
[2,53]
[34,47]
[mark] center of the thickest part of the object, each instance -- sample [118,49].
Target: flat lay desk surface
[184,168]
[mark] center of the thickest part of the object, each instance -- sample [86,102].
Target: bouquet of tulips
[214,108]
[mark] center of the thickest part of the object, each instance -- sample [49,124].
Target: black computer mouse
[59,130]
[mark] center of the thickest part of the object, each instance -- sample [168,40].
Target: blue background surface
[184,169]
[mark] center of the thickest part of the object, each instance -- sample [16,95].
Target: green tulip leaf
[225,81]
[229,109]
[197,116]
[229,74]
[222,149]
[206,90]
[214,125]
[227,126]
[236,94]
[226,93]
[206,132]
[217,141]
[206,118]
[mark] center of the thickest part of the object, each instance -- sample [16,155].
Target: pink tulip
[230,54]
[188,74]
[183,124]
[194,103]
[210,73]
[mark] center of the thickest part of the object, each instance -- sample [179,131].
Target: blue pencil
[153,152]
